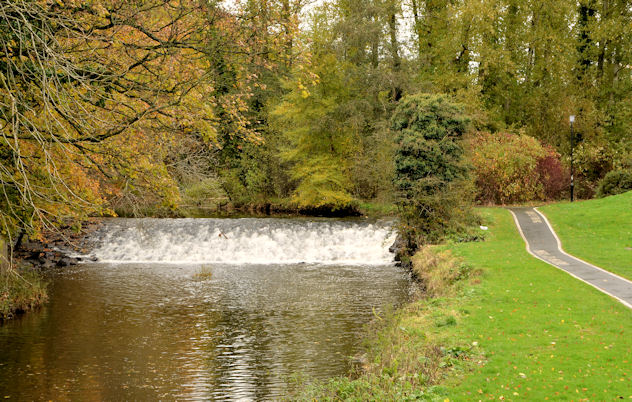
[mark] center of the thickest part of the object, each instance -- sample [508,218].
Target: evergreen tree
[429,172]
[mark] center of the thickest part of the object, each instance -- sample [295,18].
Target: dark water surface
[147,331]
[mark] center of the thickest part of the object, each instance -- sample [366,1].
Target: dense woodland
[141,107]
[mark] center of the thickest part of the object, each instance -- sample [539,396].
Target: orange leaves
[506,167]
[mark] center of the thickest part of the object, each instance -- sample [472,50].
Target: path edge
[559,245]
[628,305]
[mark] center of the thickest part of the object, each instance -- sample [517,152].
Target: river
[199,309]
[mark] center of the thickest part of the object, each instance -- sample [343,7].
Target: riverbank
[518,329]
[278,208]
[411,351]
[21,290]
[22,287]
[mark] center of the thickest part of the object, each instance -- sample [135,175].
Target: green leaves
[429,174]
[427,127]
[318,136]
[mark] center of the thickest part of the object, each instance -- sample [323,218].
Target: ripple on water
[159,331]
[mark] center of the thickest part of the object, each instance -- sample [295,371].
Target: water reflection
[148,331]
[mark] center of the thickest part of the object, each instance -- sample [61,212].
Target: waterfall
[244,241]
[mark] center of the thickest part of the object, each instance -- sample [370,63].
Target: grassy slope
[598,231]
[544,333]
[527,330]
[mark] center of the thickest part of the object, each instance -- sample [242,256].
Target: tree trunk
[397,61]
[417,27]
[289,43]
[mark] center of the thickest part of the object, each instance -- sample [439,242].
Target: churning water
[246,241]
[198,309]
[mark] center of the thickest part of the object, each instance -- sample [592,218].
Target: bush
[512,168]
[615,182]
[432,181]
[592,163]
[554,176]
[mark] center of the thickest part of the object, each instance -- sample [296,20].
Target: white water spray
[245,241]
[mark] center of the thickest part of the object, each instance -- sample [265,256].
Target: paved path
[543,243]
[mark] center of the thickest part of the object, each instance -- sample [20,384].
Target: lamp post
[572,120]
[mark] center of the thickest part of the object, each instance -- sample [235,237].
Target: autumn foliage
[514,168]
[97,97]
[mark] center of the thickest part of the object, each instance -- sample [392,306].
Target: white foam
[245,241]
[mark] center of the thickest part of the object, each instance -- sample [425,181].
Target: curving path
[543,243]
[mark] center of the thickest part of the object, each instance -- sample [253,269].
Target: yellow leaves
[303,90]
[100,10]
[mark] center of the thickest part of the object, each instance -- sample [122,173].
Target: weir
[245,241]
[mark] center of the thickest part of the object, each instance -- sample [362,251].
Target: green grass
[544,333]
[526,331]
[598,231]
[377,209]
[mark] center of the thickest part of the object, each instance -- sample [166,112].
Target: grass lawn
[598,231]
[519,329]
[544,333]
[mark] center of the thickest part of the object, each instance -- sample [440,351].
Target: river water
[199,309]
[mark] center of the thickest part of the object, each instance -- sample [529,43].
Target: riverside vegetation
[167,106]
[497,323]
[21,291]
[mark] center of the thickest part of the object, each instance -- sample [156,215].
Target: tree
[90,94]
[313,120]
[430,176]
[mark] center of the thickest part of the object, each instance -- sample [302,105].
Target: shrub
[512,168]
[554,177]
[615,182]
[592,163]
[430,177]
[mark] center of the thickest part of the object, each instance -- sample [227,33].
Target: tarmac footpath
[543,244]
